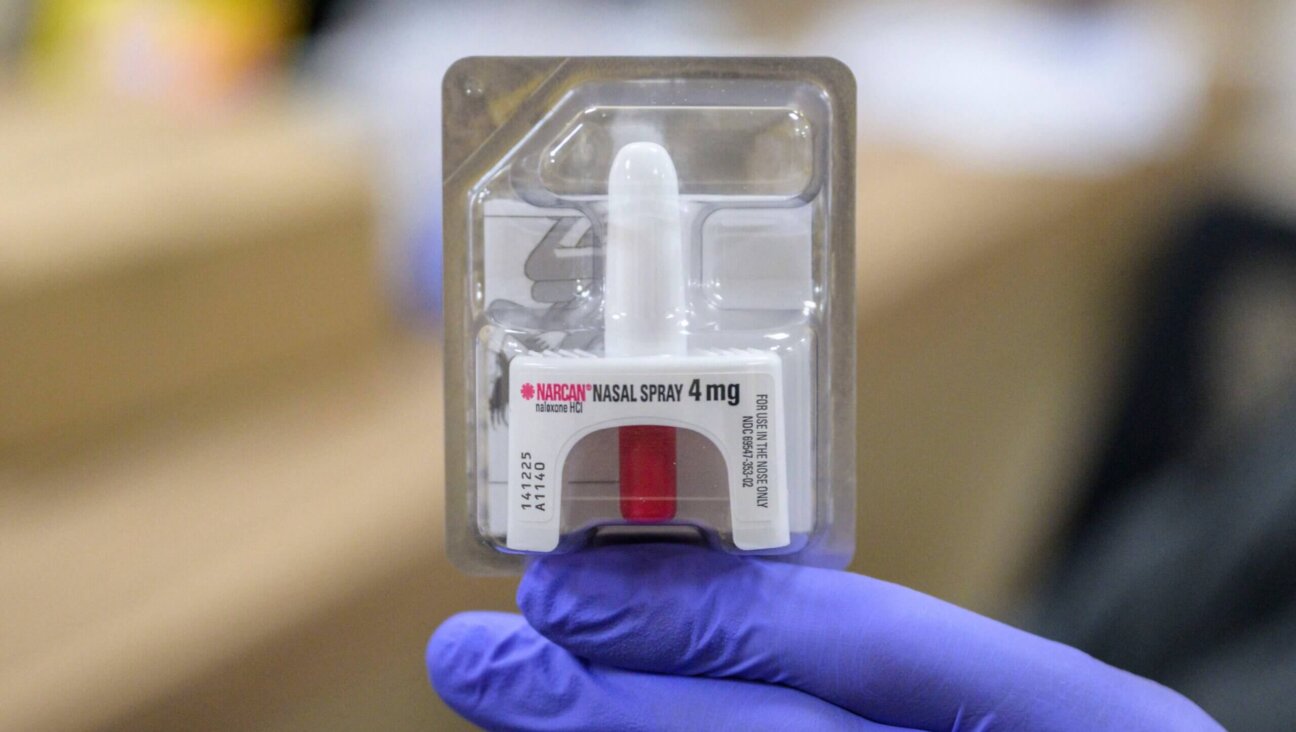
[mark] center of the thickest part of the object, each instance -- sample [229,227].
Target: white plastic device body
[647,376]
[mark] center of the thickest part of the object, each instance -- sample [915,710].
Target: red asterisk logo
[528,391]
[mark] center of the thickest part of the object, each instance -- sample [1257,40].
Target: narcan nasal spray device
[649,270]
[647,384]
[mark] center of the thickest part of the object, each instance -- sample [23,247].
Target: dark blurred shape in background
[220,462]
[1181,561]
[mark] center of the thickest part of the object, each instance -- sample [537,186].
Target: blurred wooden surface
[182,559]
[993,313]
[270,557]
[146,254]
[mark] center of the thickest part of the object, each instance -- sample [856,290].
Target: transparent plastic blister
[649,306]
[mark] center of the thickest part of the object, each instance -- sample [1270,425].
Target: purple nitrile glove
[665,637]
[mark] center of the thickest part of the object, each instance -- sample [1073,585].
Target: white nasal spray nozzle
[643,300]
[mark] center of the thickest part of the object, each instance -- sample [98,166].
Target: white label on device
[732,398]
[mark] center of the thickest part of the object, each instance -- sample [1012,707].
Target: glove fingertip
[622,605]
[536,587]
[458,653]
[562,593]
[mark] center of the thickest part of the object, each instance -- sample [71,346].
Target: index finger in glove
[495,670]
[882,651]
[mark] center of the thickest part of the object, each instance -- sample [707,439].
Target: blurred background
[220,410]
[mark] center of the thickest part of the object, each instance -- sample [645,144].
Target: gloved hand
[678,638]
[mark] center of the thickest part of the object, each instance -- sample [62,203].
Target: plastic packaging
[649,306]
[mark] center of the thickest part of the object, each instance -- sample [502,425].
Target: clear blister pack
[649,306]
